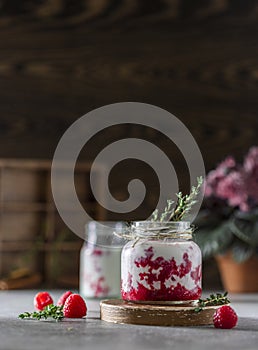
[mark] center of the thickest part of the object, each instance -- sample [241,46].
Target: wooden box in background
[36,247]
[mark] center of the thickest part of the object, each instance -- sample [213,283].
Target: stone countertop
[92,333]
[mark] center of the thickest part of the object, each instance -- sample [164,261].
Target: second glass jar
[100,261]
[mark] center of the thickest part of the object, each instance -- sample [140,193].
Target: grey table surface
[92,333]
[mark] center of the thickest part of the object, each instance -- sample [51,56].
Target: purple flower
[235,183]
[228,164]
[251,162]
[215,176]
[251,169]
[233,189]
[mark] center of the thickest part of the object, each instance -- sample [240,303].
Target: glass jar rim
[161,229]
[103,227]
[177,225]
[101,233]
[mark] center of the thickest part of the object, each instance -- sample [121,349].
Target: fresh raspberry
[41,300]
[62,299]
[225,317]
[75,307]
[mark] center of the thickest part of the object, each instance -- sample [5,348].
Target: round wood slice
[120,311]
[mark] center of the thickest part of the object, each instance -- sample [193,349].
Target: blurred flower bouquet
[229,219]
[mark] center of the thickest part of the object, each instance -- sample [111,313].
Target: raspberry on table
[225,317]
[41,300]
[75,307]
[62,299]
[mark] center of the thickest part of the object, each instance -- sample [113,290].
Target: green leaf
[213,241]
[246,229]
[208,219]
[246,215]
[241,251]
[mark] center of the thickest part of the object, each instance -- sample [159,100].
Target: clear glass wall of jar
[161,263]
[100,261]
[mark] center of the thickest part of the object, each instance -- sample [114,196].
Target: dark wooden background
[60,59]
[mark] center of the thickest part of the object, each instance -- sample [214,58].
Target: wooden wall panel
[60,59]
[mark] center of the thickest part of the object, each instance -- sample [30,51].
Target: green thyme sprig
[183,206]
[213,300]
[50,311]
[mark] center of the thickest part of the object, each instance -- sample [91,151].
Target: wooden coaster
[120,311]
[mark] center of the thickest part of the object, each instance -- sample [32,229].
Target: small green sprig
[50,311]
[183,206]
[213,300]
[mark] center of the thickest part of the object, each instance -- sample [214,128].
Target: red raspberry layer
[168,270]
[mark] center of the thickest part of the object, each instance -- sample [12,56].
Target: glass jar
[100,261]
[161,263]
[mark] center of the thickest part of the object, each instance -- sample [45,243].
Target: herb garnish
[53,311]
[183,206]
[213,300]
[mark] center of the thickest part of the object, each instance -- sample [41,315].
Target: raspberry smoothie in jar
[161,264]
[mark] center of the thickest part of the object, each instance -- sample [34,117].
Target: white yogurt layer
[167,250]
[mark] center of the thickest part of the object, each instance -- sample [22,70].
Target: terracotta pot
[238,277]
